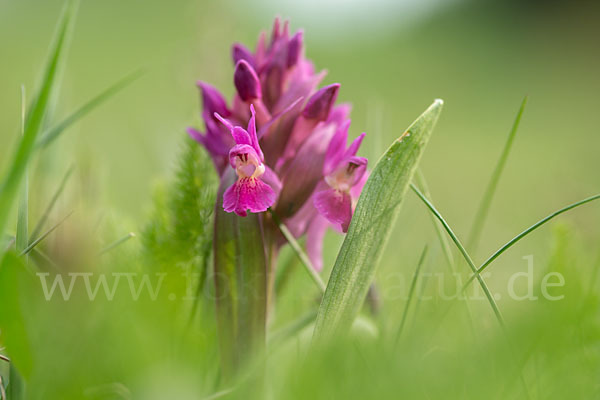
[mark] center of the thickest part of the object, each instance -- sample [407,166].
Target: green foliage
[240,283]
[375,213]
[50,135]
[486,201]
[9,187]
[13,276]
[180,230]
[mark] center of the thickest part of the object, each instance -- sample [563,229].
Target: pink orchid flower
[249,192]
[343,175]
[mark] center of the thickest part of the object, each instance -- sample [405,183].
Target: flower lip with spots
[249,192]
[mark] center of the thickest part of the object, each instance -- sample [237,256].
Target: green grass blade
[22,236]
[16,387]
[411,292]
[293,328]
[53,133]
[40,224]
[37,241]
[462,250]
[314,275]
[438,230]
[486,201]
[371,225]
[526,232]
[9,187]
[117,243]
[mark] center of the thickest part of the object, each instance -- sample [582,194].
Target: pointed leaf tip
[369,229]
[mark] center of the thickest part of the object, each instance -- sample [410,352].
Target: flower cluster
[292,155]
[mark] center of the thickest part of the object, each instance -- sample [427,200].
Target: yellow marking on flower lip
[338,182]
[249,170]
[260,169]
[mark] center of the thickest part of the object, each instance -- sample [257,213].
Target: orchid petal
[320,103]
[270,178]
[336,149]
[314,241]
[353,148]
[248,194]
[295,49]
[246,81]
[304,171]
[245,150]
[239,52]
[252,133]
[335,205]
[224,121]
[355,168]
[212,100]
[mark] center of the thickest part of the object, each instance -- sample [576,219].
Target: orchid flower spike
[283,140]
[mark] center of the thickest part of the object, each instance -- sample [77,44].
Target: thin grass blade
[37,241]
[314,275]
[22,236]
[464,253]
[526,232]
[117,243]
[371,225]
[53,133]
[40,224]
[9,187]
[486,201]
[293,328]
[438,229]
[411,292]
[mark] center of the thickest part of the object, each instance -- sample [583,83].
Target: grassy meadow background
[392,59]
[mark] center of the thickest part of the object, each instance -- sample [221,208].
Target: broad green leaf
[9,187]
[373,219]
[240,272]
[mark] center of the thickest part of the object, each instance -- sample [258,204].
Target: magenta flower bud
[320,103]
[294,49]
[246,81]
[240,52]
[212,100]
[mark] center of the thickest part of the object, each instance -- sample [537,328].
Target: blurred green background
[392,59]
